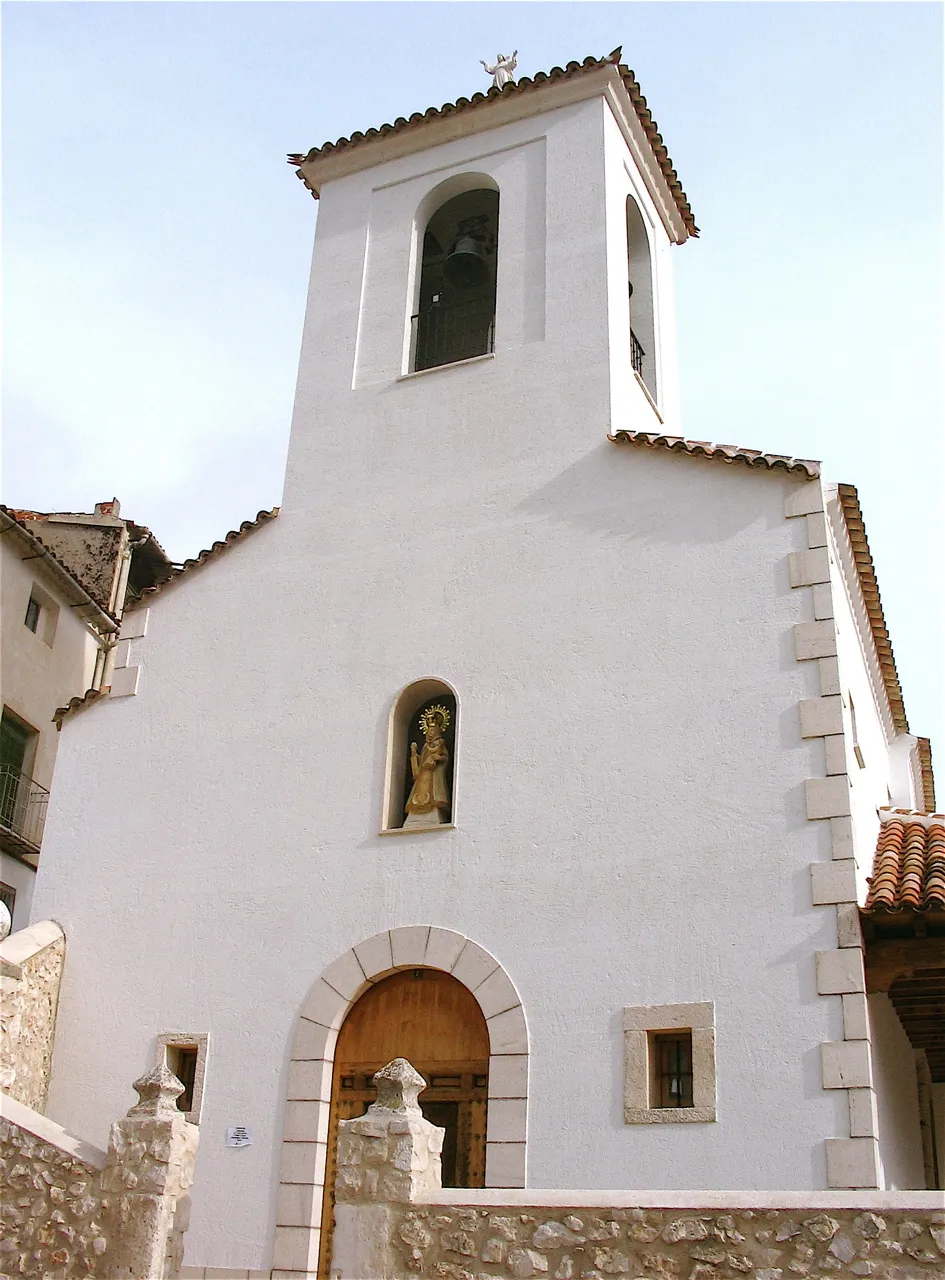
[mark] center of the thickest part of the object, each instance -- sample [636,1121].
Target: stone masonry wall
[470,1243]
[51,1210]
[32,961]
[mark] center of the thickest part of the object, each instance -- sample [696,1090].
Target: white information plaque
[239,1136]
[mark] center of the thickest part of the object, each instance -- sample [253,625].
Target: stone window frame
[186,1039]
[640,1022]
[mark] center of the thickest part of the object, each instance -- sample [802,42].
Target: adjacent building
[66,578]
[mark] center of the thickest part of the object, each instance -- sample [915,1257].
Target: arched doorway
[433,1020]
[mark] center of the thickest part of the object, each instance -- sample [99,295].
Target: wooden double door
[432,1020]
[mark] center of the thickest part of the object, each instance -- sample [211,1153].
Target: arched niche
[640,290]
[407,727]
[457,230]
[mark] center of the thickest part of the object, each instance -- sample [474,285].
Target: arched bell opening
[434,1021]
[455,315]
[640,293]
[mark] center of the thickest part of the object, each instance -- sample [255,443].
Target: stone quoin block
[840,972]
[134,625]
[845,1064]
[856,1017]
[507,1120]
[841,837]
[807,567]
[820,717]
[835,755]
[823,600]
[849,933]
[814,640]
[816,529]
[827,797]
[122,654]
[125,682]
[805,499]
[852,1162]
[829,674]
[864,1121]
[306,1122]
[832,882]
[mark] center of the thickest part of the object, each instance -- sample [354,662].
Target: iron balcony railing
[636,354]
[449,331]
[22,807]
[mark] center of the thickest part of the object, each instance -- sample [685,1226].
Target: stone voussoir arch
[308,1100]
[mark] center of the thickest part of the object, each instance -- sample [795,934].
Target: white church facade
[528,740]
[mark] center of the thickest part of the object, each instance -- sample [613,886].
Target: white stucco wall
[618,624]
[894,1075]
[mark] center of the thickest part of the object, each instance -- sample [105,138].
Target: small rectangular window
[857,750]
[671,1069]
[182,1062]
[32,614]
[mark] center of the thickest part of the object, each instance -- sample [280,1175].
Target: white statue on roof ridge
[505,64]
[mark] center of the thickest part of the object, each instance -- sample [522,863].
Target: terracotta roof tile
[909,864]
[853,517]
[75,704]
[210,553]
[721,452]
[527,84]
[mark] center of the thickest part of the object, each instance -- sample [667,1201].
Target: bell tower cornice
[518,100]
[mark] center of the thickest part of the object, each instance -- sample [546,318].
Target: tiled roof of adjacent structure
[853,517]
[85,700]
[210,553]
[528,84]
[721,452]
[909,864]
[14,519]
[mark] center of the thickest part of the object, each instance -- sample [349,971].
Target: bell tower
[487,274]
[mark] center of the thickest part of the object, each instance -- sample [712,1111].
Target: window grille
[672,1069]
[32,614]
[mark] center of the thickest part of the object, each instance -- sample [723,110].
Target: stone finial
[6,921]
[397,1088]
[157,1092]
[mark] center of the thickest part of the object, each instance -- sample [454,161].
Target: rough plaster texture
[90,548]
[31,963]
[897,1097]
[653,748]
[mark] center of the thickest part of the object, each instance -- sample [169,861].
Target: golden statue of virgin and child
[428,804]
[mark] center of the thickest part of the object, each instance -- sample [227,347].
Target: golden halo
[434,713]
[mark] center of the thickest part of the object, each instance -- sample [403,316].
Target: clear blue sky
[157,244]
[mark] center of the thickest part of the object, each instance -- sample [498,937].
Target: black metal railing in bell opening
[636,354]
[23,805]
[449,331]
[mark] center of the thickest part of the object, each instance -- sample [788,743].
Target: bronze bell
[466,265]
